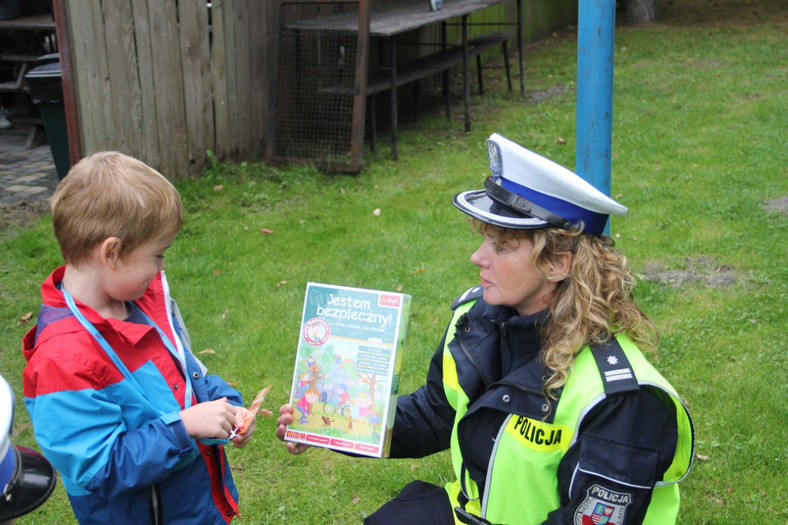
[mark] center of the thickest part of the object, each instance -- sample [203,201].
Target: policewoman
[27,479]
[540,387]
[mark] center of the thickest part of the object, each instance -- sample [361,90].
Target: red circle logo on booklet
[316,331]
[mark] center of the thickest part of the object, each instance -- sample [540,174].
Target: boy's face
[138,269]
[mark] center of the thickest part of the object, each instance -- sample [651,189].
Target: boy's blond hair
[109,194]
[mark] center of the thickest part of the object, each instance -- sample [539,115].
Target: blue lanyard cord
[178,354]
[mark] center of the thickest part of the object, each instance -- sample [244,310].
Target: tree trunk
[641,11]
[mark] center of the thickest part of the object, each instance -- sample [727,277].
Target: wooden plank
[397,18]
[101,89]
[18,58]
[222,71]
[149,125]
[67,66]
[231,77]
[193,17]
[30,23]
[89,111]
[243,100]
[261,14]
[219,80]
[168,87]
[123,76]
[424,66]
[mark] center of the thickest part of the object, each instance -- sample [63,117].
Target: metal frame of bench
[423,67]
[388,23]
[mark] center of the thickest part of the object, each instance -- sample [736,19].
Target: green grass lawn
[700,125]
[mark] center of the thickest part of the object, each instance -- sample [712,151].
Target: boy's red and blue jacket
[124,457]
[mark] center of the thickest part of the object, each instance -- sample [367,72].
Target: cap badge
[494,153]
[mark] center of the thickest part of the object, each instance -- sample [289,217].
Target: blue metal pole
[596,29]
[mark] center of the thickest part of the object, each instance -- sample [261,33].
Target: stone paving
[25,174]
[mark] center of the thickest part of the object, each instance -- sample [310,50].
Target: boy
[135,439]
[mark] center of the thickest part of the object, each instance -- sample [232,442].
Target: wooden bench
[423,67]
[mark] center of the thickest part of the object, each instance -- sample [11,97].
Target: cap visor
[479,205]
[33,487]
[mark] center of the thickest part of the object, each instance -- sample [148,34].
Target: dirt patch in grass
[702,270]
[740,13]
[20,215]
[777,205]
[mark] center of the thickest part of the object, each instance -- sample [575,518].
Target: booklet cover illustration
[346,375]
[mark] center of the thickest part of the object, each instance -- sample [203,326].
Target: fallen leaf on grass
[701,457]
[266,230]
[280,283]
[217,272]
[207,351]
[218,187]
[376,212]
[355,500]
[25,318]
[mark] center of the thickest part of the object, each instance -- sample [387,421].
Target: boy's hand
[209,420]
[243,429]
[284,419]
[242,439]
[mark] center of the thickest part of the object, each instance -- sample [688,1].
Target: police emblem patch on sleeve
[602,506]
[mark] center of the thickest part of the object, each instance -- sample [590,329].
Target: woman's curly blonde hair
[590,305]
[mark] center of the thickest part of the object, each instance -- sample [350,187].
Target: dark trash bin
[46,90]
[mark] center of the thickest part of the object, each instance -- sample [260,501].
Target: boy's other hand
[284,419]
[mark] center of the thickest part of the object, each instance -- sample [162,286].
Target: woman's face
[508,276]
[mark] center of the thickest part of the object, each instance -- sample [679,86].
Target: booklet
[346,374]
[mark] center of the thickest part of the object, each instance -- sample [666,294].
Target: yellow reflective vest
[522,472]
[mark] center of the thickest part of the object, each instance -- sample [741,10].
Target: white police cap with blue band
[528,191]
[27,479]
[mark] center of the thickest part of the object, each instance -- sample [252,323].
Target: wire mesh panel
[319,116]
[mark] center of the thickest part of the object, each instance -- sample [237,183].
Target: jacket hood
[55,319]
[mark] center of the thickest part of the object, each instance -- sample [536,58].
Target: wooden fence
[166,80]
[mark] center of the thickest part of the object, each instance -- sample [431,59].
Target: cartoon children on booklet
[343,396]
[304,404]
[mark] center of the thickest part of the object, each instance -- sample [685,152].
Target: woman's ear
[109,252]
[561,267]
